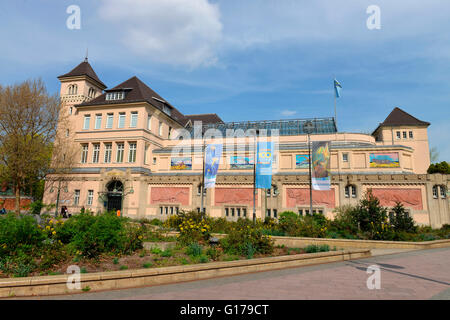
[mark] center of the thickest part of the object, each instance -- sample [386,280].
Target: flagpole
[203,179]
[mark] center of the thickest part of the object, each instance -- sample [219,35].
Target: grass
[147,265]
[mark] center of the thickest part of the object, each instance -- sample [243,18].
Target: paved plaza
[421,274]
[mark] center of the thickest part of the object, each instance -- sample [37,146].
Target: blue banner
[213,152]
[264,158]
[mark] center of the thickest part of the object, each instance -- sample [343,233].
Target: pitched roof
[398,117]
[138,91]
[83,69]
[205,118]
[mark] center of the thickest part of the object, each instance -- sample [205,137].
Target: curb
[54,285]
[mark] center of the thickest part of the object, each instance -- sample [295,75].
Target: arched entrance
[114,195]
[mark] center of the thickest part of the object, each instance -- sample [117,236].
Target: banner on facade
[264,158]
[213,152]
[321,176]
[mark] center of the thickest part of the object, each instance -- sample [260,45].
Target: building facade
[139,154]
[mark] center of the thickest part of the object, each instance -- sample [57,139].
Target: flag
[337,88]
[213,152]
[264,158]
[320,164]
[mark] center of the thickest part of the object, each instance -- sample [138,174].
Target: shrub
[214,253]
[92,235]
[167,253]
[245,233]
[194,250]
[19,232]
[192,230]
[401,220]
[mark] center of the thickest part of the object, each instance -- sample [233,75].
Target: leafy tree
[29,116]
[369,214]
[442,167]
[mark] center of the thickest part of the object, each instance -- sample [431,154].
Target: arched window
[439,190]
[435,192]
[73,89]
[350,191]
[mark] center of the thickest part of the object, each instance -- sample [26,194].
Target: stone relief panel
[300,196]
[234,196]
[170,195]
[411,198]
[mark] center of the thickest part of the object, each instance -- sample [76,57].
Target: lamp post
[203,180]
[309,127]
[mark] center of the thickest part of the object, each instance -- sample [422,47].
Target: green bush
[238,239]
[19,232]
[92,235]
[194,250]
[401,220]
[313,248]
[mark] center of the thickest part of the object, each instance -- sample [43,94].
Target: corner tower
[80,85]
[401,128]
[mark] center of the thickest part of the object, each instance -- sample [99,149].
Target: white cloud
[179,32]
[288,113]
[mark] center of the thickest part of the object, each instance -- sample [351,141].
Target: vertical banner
[321,179]
[264,158]
[213,152]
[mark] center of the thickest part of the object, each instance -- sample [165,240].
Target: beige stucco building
[128,137]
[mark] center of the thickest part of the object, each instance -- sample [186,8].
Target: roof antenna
[87,52]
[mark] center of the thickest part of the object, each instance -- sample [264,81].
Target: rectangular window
[268,192]
[345,157]
[398,134]
[267,212]
[149,122]
[121,123]
[84,152]
[70,110]
[90,198]
[166,210]
[154,160]
[275,213]
[108,152]
[300,212]
[132,152]
[226,212]
[353,192]
[244,212]
[134,119]
[238,212]
[404,134]
[410,134]
[232,212]
[96,153]
[76,198]
[160,128]
[161,210]
[170,132]
[120,151]
[109,120]
[98,121]
[87,120]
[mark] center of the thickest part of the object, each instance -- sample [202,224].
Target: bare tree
[29,117]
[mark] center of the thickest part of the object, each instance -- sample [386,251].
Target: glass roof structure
[290,127]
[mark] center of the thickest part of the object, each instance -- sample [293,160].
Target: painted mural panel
[384,160]
[300,196]
[181,163]
[411,198]
[170,195]
[302,161]
[241,162]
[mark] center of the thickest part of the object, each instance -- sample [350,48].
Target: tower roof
[138,91]
[83,69]
[398,117]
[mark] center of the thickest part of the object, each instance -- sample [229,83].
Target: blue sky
[248,59]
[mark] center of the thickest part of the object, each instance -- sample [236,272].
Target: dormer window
[91,92]
[167,110]
[118,95]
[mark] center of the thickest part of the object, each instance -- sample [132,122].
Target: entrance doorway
[115,191]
